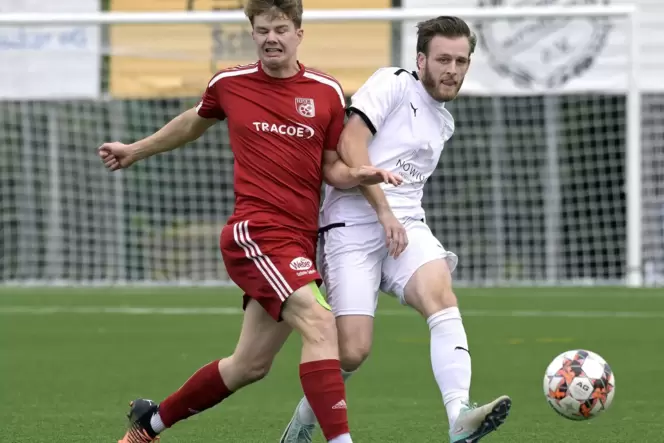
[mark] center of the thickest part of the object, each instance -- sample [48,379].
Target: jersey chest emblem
[305,107]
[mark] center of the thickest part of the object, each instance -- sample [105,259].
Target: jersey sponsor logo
[301,264]
[410,172]
[295,130]
[305,107]
[543,52]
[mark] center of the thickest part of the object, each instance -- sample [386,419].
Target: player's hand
[395,233]
[116,155]
[369,175]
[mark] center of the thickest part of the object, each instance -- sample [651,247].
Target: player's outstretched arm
[354,151]
[338,174]
[183,129]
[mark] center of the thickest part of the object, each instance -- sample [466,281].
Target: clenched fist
[116,155]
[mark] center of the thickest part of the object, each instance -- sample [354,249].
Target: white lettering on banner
[50,62]
[38,39]
[298,130]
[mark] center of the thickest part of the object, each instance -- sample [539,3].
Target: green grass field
[71,359]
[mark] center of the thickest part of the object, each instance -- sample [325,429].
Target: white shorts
[355,265]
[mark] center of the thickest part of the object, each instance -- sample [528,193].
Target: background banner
[38,62]
[178,60]
[544,55]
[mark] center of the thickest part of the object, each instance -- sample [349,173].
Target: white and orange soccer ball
[579,384]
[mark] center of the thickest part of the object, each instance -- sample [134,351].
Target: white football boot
[476,422]
[296,431]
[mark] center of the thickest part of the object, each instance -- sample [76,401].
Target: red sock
[326,393]
[202,391]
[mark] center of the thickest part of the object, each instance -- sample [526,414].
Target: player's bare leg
[320,369]
[260,340]
[355,336]
[429,291]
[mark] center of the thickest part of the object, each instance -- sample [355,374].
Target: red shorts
[268,262]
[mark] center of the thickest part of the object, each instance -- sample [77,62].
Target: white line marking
[91,289]
[123,310]
[134,310]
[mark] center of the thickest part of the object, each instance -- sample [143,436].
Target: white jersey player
[376,238]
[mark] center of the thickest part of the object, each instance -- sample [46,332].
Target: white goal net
[555,174]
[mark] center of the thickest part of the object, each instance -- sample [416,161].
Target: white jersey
[410,130]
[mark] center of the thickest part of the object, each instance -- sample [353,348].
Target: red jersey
[278,130]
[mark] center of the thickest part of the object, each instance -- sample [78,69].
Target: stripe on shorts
[262,262]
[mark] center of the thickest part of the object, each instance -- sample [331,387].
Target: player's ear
[300,34]
[421,59]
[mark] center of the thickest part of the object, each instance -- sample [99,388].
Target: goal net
[555,174]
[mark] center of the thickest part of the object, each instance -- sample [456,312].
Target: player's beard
[432,85]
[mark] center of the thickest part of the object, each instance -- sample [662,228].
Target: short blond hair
[291,9]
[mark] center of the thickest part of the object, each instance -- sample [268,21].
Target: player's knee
[353,355]
[444,297]
[430,288]
[435,300]
[305,314]
[319,326]
[355,338]
[253,370]
[257,371]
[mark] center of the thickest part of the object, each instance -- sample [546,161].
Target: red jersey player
[284,123]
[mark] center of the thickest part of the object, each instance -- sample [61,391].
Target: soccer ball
[579,384]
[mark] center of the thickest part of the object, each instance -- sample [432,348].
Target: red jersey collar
[297,76]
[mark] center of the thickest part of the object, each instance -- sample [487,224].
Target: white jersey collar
[426,96]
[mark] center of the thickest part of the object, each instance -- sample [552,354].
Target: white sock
[156,424]
[345,438]
[450,359]
[304,412]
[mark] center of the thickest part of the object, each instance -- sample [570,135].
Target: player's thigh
[424,264]
[261,339]
[351,262]
[429,289]
[308,313]
[351,259]
[268,264]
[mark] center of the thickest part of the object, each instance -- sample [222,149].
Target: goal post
[513,197]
